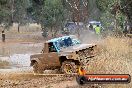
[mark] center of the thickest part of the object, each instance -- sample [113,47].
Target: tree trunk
[18,29]
[130,25]
[78,30]
[56,32]
[116,23]
[52,34]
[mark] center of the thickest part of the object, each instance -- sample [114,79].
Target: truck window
[51,48]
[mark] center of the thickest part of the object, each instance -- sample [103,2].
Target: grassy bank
[115,57]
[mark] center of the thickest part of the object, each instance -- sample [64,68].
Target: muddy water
[18,60]
[8,49]
[18,54]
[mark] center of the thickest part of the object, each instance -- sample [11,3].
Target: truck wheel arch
[63,58]
[33,60]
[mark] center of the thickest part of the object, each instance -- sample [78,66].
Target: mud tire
[72,66]
[37,69]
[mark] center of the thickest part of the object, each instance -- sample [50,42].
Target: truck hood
[36,56]
[76,48]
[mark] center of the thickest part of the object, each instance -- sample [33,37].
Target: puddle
[17,60]
[18,54]
[32,44]
[20,48]
[20,63]
[20,59]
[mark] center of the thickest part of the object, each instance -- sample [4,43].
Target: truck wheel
[68,67]
[36,68]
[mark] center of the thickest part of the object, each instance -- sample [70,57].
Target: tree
[13,11]
[5,13]
[79,11]
[53,14]
[105,7]
[78,8]
[117,8]
[20,11]
[50,13]
[126,9]
[34,10]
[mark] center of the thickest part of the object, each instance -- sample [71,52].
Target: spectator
[3,36]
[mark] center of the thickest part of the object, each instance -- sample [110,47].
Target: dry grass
[115,57]
[29,32]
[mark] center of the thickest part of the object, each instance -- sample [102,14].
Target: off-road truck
[65,53]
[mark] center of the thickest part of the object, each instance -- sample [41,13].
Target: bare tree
[79,10]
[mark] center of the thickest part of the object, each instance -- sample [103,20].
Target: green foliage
[121,20]
[108,8]
[105,5]
[107,19]
[126,6]
[13,11]
[5,13]
[93,11]
[50,13]
[126,9]
[34,10]
[53,13]
[3,2]
[20,11]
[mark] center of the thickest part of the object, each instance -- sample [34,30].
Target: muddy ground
[17,73]
[32,81]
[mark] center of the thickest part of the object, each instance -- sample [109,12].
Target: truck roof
[59,38]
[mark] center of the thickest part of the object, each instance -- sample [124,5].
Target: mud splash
[17,60]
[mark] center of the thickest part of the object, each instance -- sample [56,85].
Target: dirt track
[122,64]
[21,77]
[34,81]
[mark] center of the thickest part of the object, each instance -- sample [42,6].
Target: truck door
[54,59]
[53,55]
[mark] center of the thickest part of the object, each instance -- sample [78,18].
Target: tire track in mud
[71,84]
[29,80]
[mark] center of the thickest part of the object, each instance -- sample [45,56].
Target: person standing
[97,30]
[3,36]
[91,27]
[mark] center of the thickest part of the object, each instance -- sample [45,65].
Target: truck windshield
[63,43]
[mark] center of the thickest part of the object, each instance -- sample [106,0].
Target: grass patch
[115,57]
